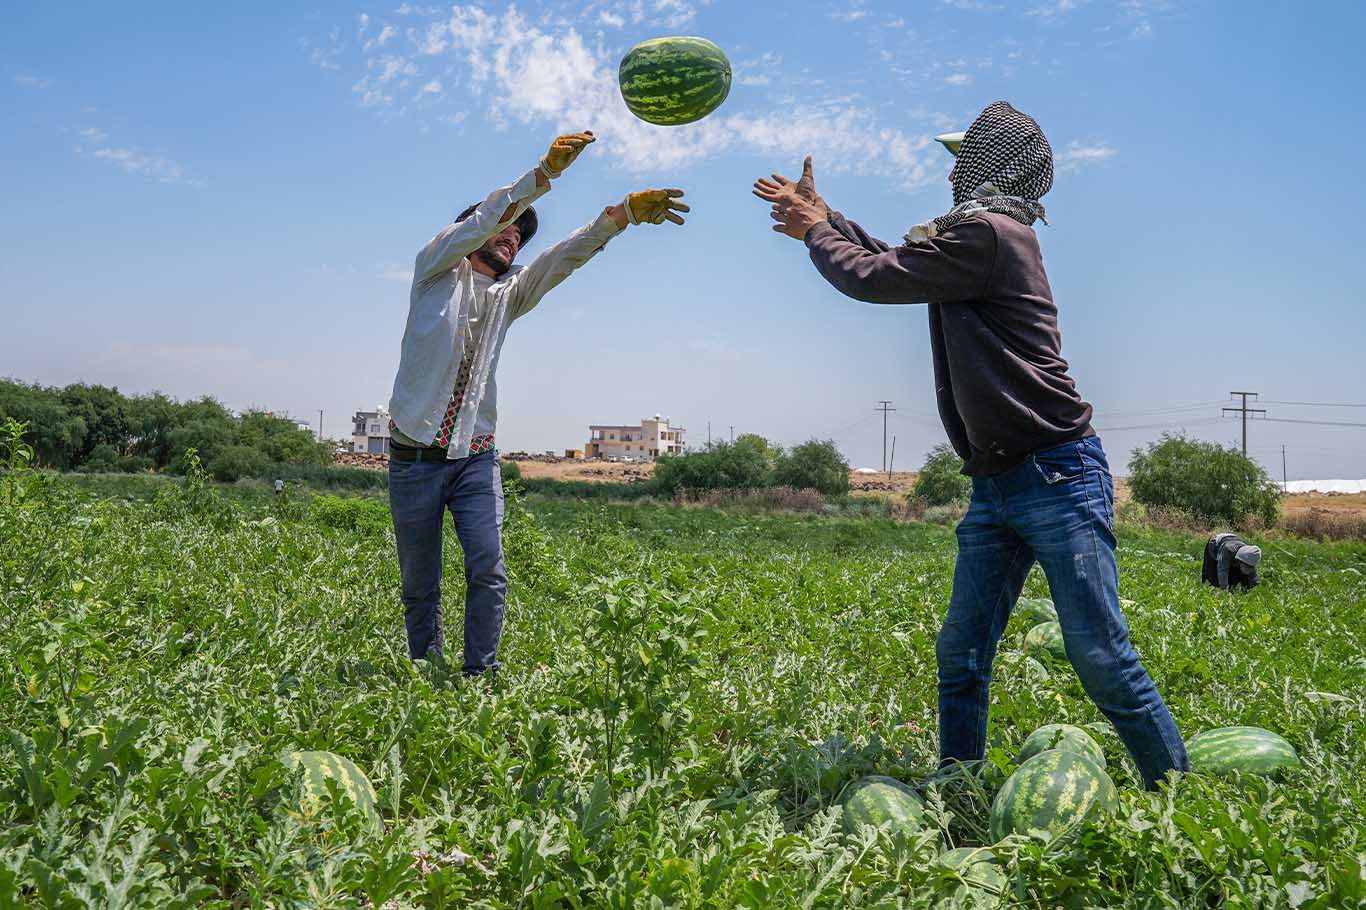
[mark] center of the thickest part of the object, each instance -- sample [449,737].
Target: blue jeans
[1058,508]
[420,492]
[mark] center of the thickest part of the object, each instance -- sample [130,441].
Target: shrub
[350,514]
[1204,480]
[721,466]
[511,472]
[814,465]
[234,462]
[941,481]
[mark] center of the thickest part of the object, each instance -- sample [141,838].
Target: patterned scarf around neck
[1004,165]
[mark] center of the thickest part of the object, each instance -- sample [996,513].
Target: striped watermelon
[317,767]
[1061,736]
[1037,609]
[671,81]
[1051,793]
[882,802]
[1044,642]
[982,872]
[1249,750]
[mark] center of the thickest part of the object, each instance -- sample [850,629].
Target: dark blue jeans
[471,489]
[1057,508]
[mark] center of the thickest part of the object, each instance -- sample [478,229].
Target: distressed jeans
[1057,507]
[471,489]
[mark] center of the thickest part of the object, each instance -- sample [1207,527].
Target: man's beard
[493,258]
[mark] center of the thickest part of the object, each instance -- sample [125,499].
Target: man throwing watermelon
[1041,485]
[444,408]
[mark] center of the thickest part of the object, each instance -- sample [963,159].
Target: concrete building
[370,432]
[646,442]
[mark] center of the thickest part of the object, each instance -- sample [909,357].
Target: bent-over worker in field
[1041,486]
[444,408]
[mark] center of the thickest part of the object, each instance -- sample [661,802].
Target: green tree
[815,465]
[723,466]
[941,481]
[1203,480]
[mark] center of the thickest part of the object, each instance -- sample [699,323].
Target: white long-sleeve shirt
[450,303]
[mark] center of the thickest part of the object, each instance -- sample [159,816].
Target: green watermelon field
[686,694]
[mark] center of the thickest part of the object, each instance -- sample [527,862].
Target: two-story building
[370,432]
[647,441]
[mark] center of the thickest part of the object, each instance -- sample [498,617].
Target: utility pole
[709,434]
[1285,482]
[886,408]
[891,461]
[732,432]
[320,424]
[1244,410]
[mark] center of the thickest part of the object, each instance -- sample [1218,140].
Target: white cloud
[1055,8]
[401,274]
[326,57]
[431,88]
[32,81]
[132,160]
[853,13]
[1077,156]
[526,73]
[673,13]
[610,19]
[957,79]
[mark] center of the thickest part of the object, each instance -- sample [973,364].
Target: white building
[646,442]
[370,432]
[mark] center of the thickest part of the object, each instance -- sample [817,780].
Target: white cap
[1249,555]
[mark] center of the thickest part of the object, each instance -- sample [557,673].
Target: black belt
[412,453]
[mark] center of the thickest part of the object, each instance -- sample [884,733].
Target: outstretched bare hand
[796,205]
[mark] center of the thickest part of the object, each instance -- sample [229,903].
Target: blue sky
[228,199]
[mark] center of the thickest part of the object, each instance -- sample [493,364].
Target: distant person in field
[1041,486]
[1231,563]
[444,409]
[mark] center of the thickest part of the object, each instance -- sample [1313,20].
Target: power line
[1317,423]
[1164,424]
[1319,404]
[1194,406]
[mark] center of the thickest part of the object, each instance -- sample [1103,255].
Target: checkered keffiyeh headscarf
[1004,165]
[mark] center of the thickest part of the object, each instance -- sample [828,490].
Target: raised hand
[563,151]
[655,207]
[797,207]
[780,190]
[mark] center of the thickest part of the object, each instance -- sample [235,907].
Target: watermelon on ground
[1061,736]
[1051,793]
[672,81]
[1249,750]
[981,870]
[1044,641]
[883,802]
[1037,609]
[318,767]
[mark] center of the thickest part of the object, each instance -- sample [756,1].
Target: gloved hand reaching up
[654,207]
[563,151]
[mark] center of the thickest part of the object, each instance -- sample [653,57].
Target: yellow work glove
[655,207]
[563,151]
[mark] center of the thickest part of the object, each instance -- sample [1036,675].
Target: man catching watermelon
[1041,485]
[466,292]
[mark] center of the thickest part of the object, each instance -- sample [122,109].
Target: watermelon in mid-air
[883,802]
[1051,793]
[1037,609]
[318,767]
[1045,641]
[1061,736]
[1249,750]
[672,81]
